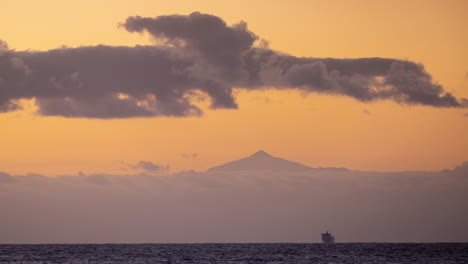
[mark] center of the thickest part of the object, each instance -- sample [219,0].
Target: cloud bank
[249,206]
[200,55]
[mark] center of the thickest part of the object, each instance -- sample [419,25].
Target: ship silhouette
[328,238]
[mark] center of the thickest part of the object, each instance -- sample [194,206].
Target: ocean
[236,253]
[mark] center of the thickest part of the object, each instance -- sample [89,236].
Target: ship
[328,238]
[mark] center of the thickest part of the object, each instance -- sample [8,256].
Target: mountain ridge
[262,161]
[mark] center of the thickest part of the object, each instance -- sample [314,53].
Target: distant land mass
[262,161]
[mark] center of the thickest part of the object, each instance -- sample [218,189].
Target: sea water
[237,253]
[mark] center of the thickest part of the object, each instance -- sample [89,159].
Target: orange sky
[315,130]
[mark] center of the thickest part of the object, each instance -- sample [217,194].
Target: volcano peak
[261,161]
[261,154]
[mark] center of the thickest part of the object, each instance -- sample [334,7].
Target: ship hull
[328,238]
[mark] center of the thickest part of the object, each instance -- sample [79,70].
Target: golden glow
[316,130]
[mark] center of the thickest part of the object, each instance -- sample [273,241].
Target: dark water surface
[237,253]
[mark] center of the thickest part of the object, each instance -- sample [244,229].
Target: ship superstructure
[328,238]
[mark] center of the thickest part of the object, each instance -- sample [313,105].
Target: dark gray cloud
[149,166]
[204,34]
[199,53]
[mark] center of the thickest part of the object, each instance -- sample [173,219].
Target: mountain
[262,161]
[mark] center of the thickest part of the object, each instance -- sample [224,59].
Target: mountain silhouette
[262,161]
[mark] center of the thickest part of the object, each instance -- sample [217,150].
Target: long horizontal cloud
[255,206]
[200,54]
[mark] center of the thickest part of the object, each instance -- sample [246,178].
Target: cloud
[461,170]
[199,54]
[7,178]
[189,155]
[203,34]
[465,114]
[97,179]
[236,207]
[149,166]
[365,111]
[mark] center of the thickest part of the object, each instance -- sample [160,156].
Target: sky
[312,127]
